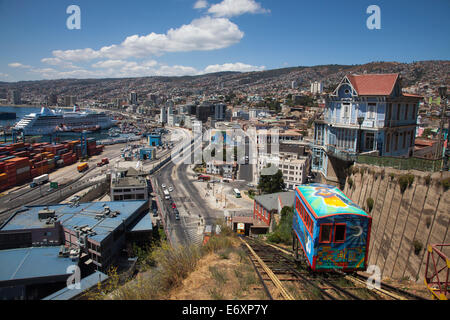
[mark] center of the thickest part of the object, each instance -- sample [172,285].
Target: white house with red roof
[366,114]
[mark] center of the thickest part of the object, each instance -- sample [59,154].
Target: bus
[237,193]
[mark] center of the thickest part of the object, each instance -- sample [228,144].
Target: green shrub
[445,183]
[417,246]
[403,182]
[350,182]
[382,174]
[392,176]
[428,222]
[428,180]
[282,231]
[410,179]
[370,203]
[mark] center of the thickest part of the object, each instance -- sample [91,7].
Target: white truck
[39,180]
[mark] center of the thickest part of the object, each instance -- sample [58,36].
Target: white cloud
[59,62]
[18,65]
[238,66]
[201,34]
[4,75]
[231,8]
[201,4]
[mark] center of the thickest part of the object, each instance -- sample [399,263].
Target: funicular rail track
[277,270]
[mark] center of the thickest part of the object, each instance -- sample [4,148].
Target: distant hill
[433,72]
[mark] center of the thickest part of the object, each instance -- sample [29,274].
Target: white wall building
[316,87]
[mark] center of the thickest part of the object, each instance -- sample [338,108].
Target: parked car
[177,217]
[163,186]
[170,189]
[174,205]
[175,211]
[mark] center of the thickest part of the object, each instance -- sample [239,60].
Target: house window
[346,110]
[398,111]
[404,140]
[412,139]
[371,110]
[339,233]
[325,233]
[389,111]
[406,112]
[396,141]
[370,137]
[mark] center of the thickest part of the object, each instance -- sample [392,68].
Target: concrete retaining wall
[421,213]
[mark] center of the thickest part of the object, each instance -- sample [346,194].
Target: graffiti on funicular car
[333,232]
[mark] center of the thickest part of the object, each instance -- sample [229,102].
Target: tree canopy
[271,183]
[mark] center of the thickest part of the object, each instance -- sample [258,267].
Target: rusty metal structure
[437,271]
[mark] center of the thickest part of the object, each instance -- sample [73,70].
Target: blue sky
[186,37]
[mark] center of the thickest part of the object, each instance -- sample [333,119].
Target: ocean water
[20,113]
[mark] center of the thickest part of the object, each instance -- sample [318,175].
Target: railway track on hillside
[285,278]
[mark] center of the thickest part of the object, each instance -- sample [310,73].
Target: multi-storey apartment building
[366,113]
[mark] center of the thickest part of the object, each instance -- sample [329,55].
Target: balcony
[346,155]
[368,123]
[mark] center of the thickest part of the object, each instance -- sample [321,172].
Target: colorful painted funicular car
[333,232]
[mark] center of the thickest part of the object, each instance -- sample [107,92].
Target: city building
[132,99]
[92,233]
[147,154]
[32,273]
[220,110]
[366,114]
[224,169]
[127,185]
[52,99]
[70,101]
[316,87]
[291,159]
[154,140]
[14,97]
[427,149]
[265,206]
[203,112]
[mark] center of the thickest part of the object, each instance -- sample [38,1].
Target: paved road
[187,199]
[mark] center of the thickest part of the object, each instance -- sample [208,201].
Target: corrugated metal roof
[145,224]
[270,201]
[33,262]
[85,283]
[82,215]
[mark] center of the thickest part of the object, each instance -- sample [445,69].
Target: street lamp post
[358,145]
[443,94]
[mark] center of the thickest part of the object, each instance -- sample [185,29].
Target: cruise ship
[50,121]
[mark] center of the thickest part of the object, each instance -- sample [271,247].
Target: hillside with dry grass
[219,270]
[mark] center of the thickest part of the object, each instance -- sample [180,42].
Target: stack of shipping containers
[21,162]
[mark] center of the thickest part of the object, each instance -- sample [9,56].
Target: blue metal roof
[83,215]
[85,283]
[33,262]
[145,224]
